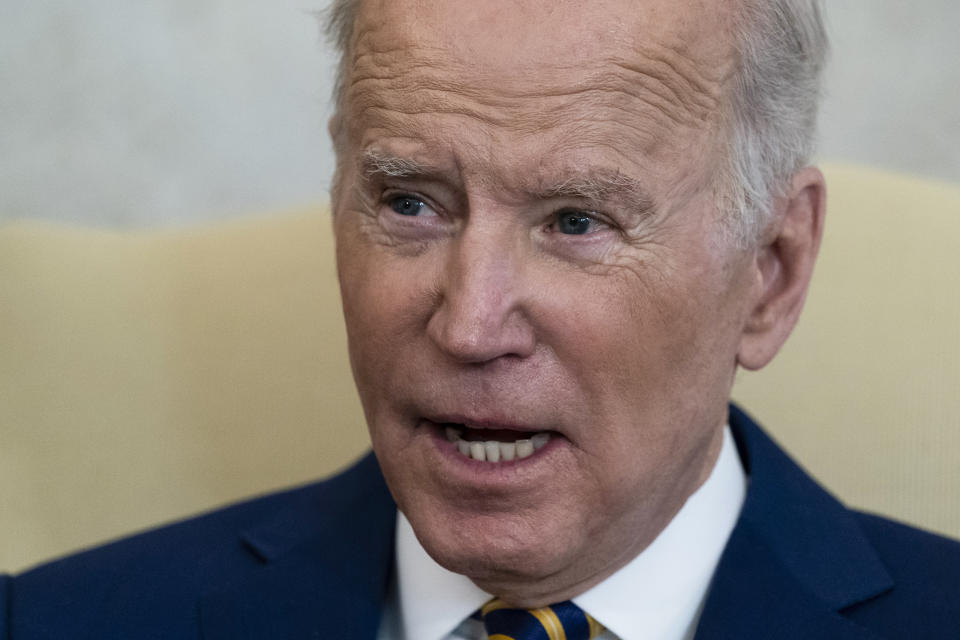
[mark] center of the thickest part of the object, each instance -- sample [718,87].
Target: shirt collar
[658,595]
[432,601]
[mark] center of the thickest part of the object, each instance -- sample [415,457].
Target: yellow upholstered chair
[148,376]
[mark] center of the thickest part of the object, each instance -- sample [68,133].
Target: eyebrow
[600,185]
[594,186]
[376,163]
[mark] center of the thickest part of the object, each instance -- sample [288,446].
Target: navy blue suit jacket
[315,562]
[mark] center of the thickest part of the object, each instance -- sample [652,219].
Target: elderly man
[561,228]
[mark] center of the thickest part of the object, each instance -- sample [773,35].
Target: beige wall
[156,112]
[892,86]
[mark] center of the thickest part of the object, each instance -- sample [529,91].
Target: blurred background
[153,365]
[158,113]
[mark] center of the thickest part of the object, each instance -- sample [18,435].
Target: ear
[783,268]
[334,126]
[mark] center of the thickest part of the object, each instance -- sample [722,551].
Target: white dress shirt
[656,596]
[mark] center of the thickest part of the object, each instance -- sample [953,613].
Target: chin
[492,549]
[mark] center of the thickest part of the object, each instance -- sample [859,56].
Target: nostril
[479,334]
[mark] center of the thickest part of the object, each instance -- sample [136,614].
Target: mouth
[494,445]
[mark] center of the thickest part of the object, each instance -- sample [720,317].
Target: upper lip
[473,422]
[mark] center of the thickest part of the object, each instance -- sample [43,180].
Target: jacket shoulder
[800,555]
[148,584]
[924,601]
[4,582]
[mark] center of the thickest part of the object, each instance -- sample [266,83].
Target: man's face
[527,244]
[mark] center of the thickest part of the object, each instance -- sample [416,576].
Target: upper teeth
[494,450]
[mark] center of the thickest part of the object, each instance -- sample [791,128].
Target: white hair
[782,47]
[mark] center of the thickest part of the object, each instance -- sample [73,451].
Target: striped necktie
[561,621]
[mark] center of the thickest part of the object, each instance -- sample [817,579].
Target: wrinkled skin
[468,298]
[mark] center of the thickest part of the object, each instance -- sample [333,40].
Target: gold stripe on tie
[551,623]
[499,636]
[493,605]
[595,627]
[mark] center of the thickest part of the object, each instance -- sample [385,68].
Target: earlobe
[334,128]
[783,268]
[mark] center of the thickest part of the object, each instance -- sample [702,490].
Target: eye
[407,205]
[574,223]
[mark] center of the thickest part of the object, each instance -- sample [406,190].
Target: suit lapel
[795,559]
[4,604]
[755,596]
[321,574]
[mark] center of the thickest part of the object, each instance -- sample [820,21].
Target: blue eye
[407,205]
[573,223]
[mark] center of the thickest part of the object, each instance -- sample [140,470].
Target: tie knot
[561,621]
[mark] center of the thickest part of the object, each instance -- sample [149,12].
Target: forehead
[528,35]
[632,76]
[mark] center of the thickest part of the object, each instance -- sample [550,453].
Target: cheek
[641,348]
[386,301]
[621,333]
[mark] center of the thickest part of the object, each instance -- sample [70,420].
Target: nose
[481,314]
